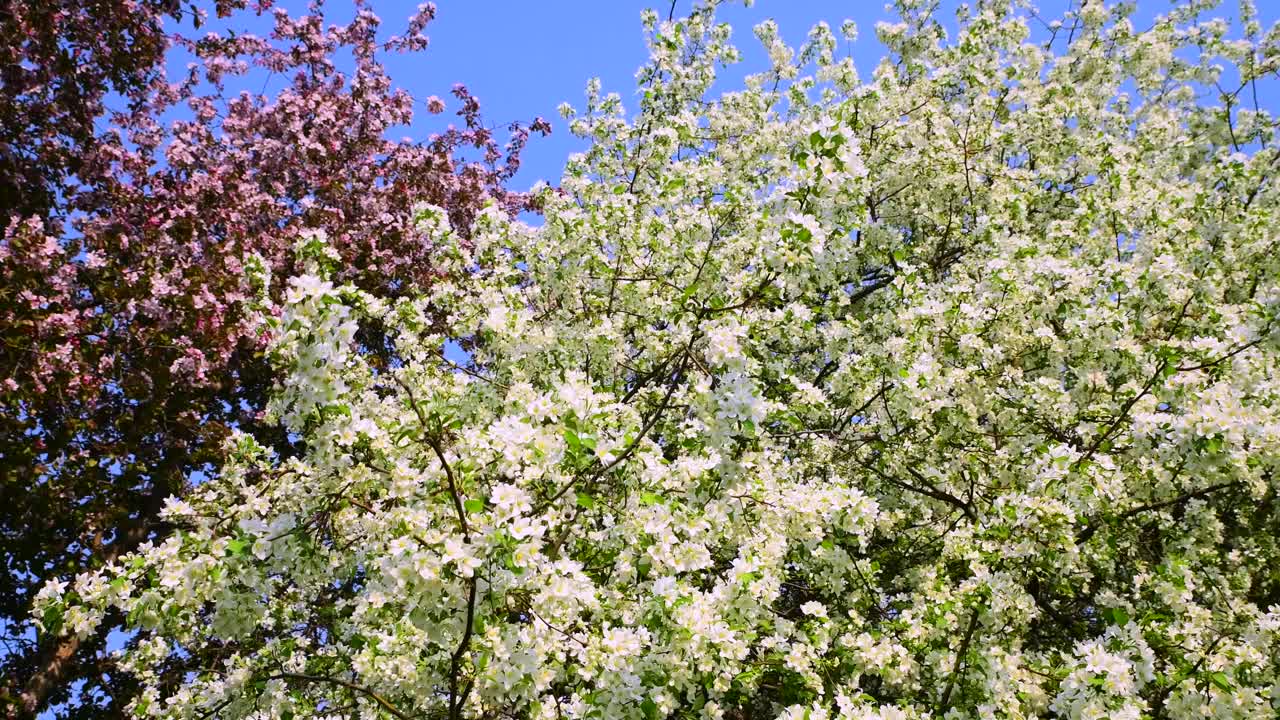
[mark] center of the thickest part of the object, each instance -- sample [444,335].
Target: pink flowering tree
[126,351]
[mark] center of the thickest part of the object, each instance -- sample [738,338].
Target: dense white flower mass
[947,391]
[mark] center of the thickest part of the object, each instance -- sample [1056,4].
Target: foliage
[60,62]
[130,253]
[953,391]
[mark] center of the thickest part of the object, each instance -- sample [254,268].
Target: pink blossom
[131,336]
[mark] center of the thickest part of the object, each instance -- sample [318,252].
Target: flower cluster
[137,212]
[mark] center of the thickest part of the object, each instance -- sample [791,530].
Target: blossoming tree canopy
[133,209]
[949,390]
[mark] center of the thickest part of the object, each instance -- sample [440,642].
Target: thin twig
[381,701]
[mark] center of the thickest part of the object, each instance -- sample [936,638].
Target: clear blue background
[522,58]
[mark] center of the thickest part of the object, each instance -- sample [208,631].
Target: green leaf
[586,501]
[649,498]
[52,619]
[1221,680]
[474,505]
[236,547]
[510,562]
[650,709]
[1116,616]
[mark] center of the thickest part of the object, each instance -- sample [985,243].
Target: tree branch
[381,701]
[457,698]
[960,654]
[1089,530]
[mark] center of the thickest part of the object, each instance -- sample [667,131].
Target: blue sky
[533,56]
[523,58]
